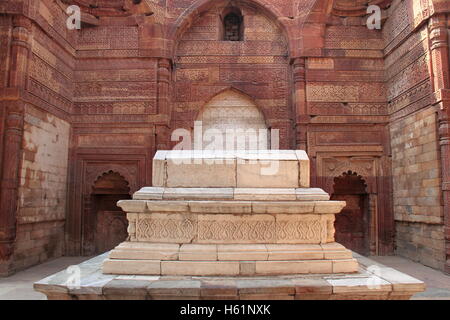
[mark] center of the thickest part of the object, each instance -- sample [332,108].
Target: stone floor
[20,285]
[438,283]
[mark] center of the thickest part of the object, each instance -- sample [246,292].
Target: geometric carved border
[224,228]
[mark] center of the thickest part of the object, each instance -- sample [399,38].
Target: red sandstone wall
[257,66]
[42,179]
[115,108]
[347,130]
[107,97]
[416,174]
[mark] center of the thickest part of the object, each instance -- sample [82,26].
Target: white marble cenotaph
[230,213]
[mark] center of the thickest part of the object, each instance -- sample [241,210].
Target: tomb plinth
[226,213]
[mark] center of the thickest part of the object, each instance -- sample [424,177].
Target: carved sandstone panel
[50,77]
[351,37]
[226,228]
[399,24]
[235,229]
[335,92]
[261,47]
[232,110]
[110,37]
[111,140]
[409,77]
[334,108]
[172,228]
[116,108]
[300,229]
[206,66]
[87,91]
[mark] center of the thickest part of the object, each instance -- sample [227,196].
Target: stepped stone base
[228,259]
[372,281]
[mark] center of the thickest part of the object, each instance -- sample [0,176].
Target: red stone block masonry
[82,112]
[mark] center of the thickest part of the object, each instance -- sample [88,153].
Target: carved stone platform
[230,214]
[372,281]
[227,233]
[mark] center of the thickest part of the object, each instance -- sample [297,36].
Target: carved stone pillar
[301,117]
[163,86]
[162,129]
[10,181]
[12,139]
[20,49]
[444,135]
[438,31]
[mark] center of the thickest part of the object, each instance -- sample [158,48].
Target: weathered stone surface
[264,194]
[200,268]
[196,252]
[267,174]
[198,193]
[159,177]
[293,267]
[294,252]
[371,102]
[145,251]
[310,194]
[143,267]
[242,253]
[202,176]
[368,285]
[95,285]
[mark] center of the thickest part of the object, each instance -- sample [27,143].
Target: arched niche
[104,224]
[353,223]
[230,112]
[232,24]
[199,8]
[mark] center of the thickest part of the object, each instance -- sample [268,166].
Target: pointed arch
[349,181]
[104,224]
[233,110]
[354,226]
[197,8]
[111,180]
[234,90]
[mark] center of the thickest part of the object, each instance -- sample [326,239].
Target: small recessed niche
[233,25]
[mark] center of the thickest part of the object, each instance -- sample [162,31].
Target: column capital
[438,32]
